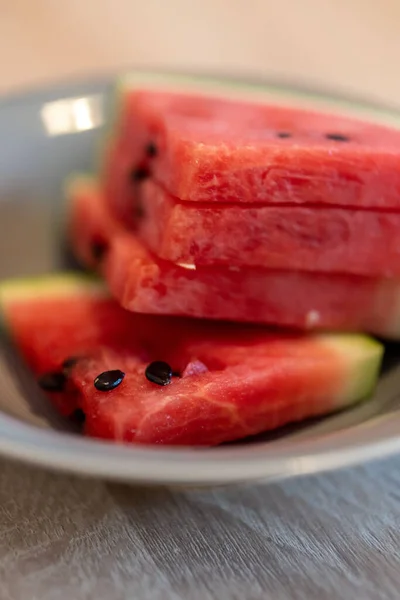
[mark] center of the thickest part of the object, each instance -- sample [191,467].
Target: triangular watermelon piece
[216,383]
[144,283]
[217,149]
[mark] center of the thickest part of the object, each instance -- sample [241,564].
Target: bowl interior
[45,136]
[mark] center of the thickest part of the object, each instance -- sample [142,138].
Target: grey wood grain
[327,537]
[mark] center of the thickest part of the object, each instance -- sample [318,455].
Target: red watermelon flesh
[229,381]
[363,242]
[141,282]
[208,149]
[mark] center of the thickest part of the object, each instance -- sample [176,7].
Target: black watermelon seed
[108,380]
[98,250]
[284,134]
[70,362]
[337,137]
[140,174]
[52,382]
[159,372]
[78,416]
[151,150]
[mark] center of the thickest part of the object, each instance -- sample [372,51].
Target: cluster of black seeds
[99,248]
[56,381]
[140,173]
[158,372]
[336,137]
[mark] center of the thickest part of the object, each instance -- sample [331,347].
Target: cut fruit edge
[380,298]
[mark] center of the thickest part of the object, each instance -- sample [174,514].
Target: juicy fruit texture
[210,149]
[141,282]
[363,242]
[229,381]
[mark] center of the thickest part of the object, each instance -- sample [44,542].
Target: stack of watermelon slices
[219,208]
[242,215]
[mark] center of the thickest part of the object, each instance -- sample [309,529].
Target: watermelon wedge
[205,148]
[363,242]
[155,380]
[141,282]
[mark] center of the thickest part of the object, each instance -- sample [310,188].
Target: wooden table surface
[332,537]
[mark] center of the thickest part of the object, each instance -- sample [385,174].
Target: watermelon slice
[216,383]
[363,242]
[216,149]
[144,283]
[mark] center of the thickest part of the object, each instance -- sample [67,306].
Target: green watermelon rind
[239,89]
[44,286]
[363,366]
[51,286]
[244,90]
